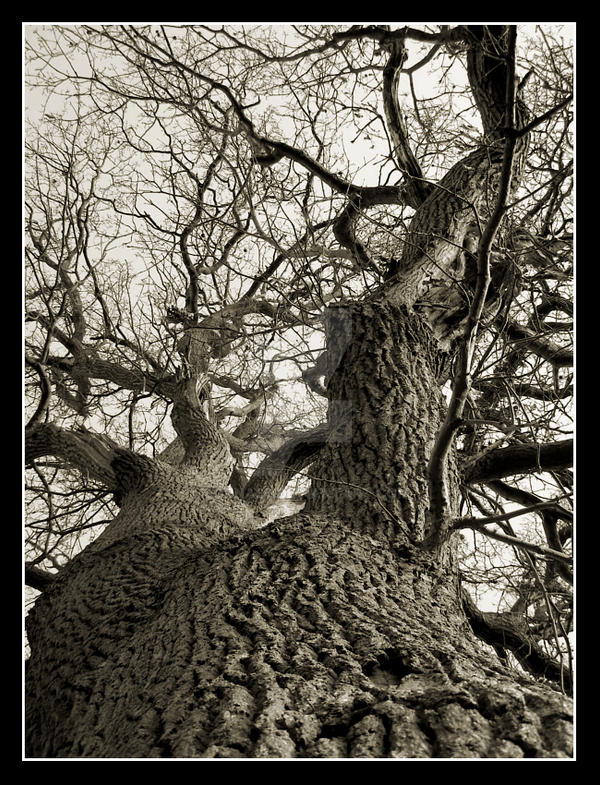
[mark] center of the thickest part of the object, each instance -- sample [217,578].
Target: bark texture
[384,412]
[306,640]
[185,632]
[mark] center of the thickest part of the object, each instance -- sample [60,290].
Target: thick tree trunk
[183,632]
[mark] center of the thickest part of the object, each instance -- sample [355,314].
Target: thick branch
[129,379]
[499,630]
[489,67]
[383,35]
[529,340]
[273,474]
[88,452]
[523,390]
[520,459]
[37,578]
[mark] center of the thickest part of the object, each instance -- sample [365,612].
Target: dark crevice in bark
[380,423]
[305,639]
[389,663]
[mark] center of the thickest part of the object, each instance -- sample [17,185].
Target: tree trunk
[185,632]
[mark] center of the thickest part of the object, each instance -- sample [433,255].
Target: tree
[318,272]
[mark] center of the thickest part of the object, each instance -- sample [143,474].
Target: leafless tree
[298,391]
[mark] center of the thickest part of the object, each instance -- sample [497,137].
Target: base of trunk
[304,640]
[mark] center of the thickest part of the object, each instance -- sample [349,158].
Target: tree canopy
[202,195]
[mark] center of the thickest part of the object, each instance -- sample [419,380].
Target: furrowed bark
[324,635]
[372,461]
[183,631]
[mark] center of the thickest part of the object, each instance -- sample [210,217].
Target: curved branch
[528,339]
[359,200]
[416,189]
[46,391]
[129,379]
[273,474]
[520,459]
[88,452]
[500,631]
[524,497]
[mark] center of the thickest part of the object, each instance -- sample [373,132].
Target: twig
[531,547]
[473,523]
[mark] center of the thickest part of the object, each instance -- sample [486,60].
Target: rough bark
[385,409]
[185,632]
[309,639]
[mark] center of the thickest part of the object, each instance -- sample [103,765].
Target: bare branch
[520,459]
[462,380]
[37,578]
[502,631]
[88,452]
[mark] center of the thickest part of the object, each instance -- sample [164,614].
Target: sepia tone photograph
[298,391]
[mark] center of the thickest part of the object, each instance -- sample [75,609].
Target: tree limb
[549,514]
[416,188]
[88,452]
[462,382]
[272,475]
[528,339]
[499,630]
[46,391]
[37,578]
[519,459]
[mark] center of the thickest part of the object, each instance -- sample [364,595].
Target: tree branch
[88,452]
[45,391]
[499,630]
[37,578]
[516,542]
[549,515]
[462,382]
[542,118]
[528,339]
[272,475]
[519,459]
[416,189]
[523,390]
